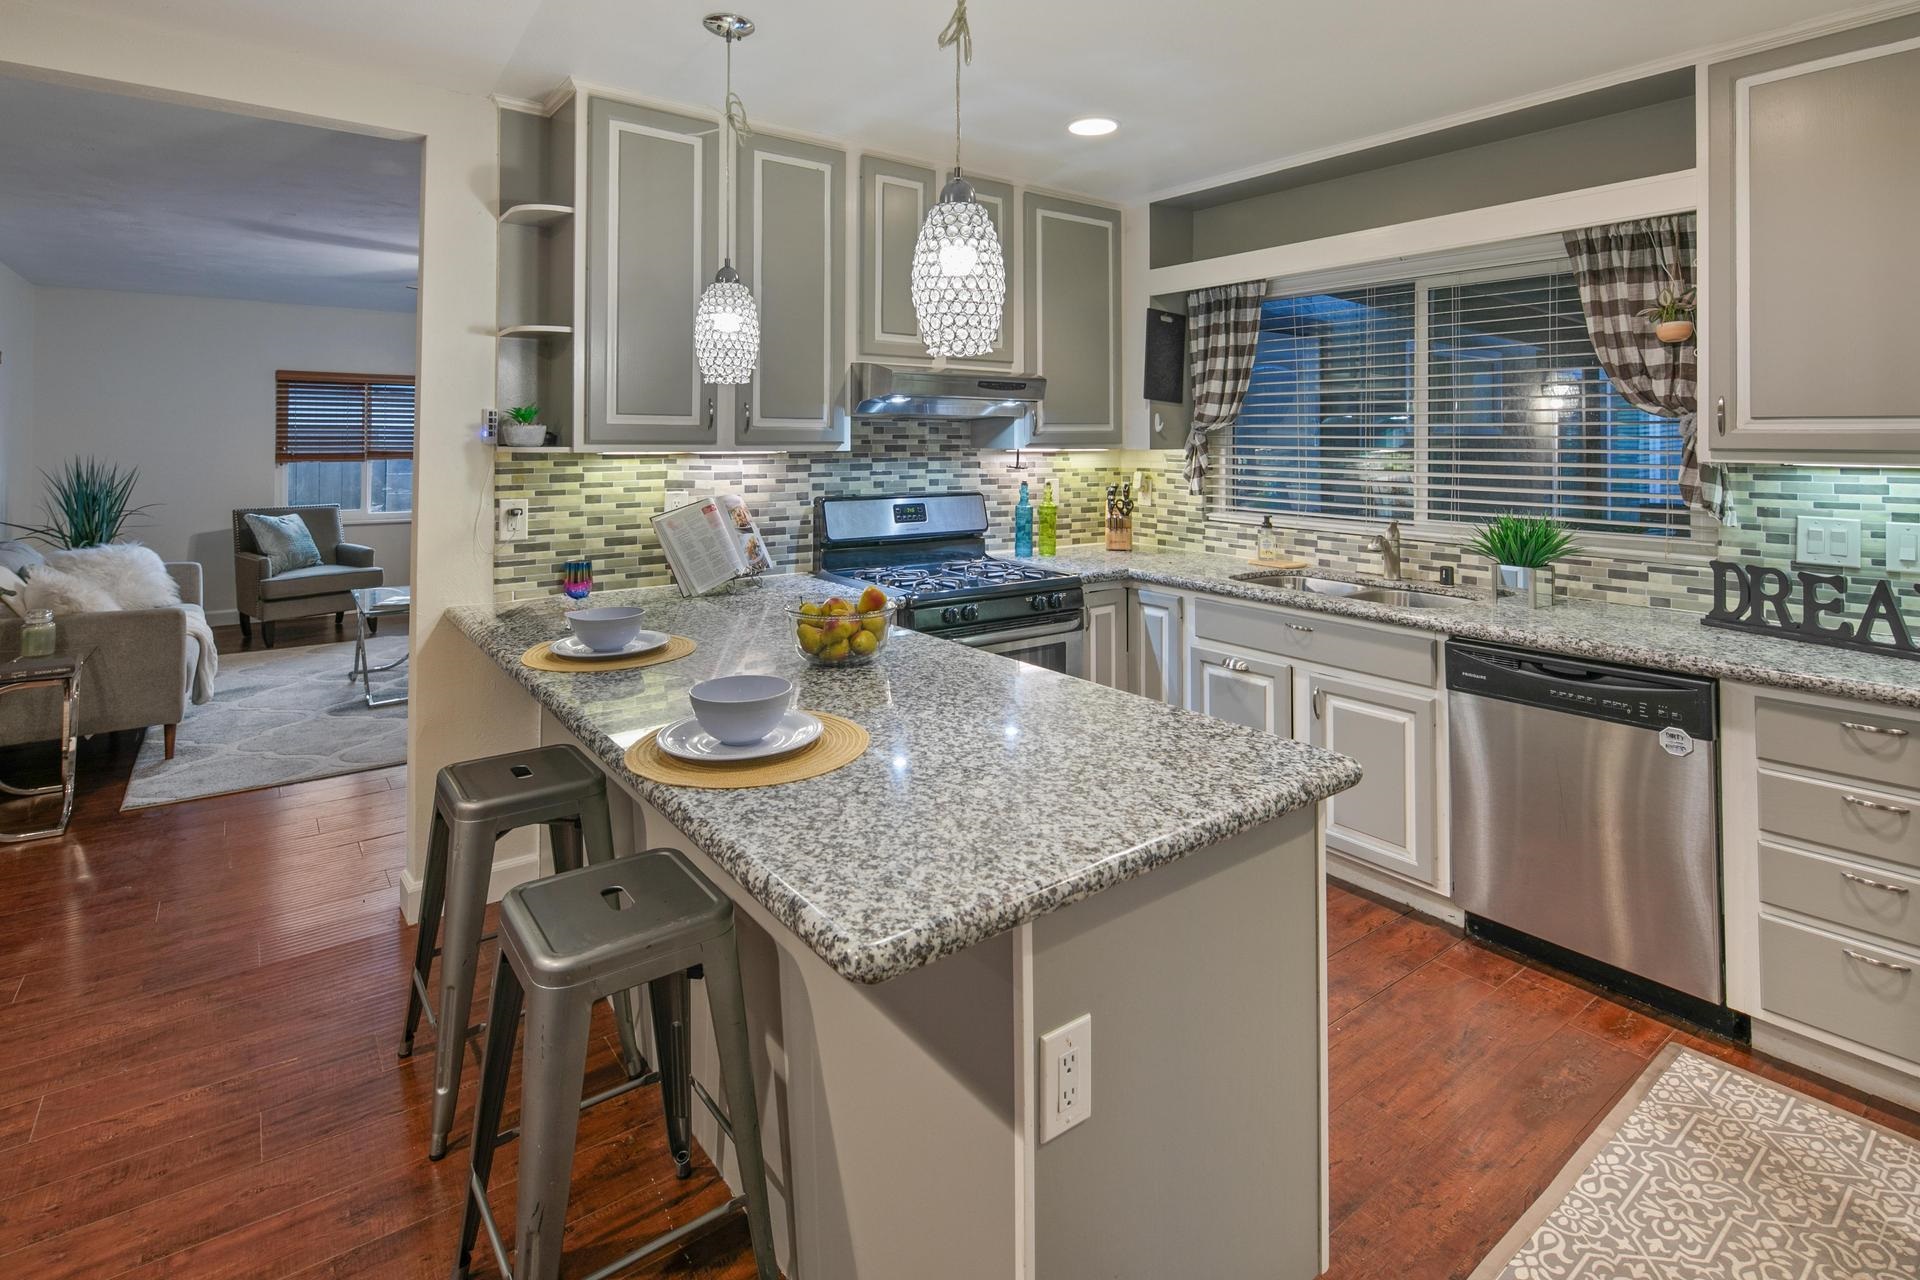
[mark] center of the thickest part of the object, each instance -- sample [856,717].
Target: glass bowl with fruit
[837,632]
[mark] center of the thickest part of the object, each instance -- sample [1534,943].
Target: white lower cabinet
[1105,641]
[1157,639]
[1390,819]
[1255,692]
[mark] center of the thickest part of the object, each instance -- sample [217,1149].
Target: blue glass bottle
[1023,524]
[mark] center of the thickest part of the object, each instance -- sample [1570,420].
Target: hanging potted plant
[1672,315]
[1523,550]
[523,428]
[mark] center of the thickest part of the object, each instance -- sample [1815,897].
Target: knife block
[1120,533]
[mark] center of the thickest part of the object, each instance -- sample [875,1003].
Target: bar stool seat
[646,919]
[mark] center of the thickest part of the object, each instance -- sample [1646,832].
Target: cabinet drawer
[1855,896]
[1863,742]
[1862,992]
[1853,819]
[1315,637]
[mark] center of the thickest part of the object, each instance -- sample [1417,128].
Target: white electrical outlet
[513,520]
[1827,540]
[1066,1077]
[1903,545]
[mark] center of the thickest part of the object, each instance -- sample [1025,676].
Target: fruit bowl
[842,633]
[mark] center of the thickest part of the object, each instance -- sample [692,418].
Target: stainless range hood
[950,395]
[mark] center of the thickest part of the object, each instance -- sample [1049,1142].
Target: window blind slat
[342,417]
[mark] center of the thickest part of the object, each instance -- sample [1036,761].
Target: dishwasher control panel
[1602,691]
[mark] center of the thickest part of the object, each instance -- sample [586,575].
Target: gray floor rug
[278,715]
[1708,1172]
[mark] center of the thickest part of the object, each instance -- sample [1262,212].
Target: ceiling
[103,191]
[1199,90]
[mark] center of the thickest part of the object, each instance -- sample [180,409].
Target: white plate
[645,642]
[686,740]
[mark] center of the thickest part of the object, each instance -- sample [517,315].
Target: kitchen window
[1446,400]
[345,438]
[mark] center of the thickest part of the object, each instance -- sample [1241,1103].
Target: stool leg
[564,835]
[469,867]
[553,1067]
[503,1021]
[670,997]
[574,845]
[729,1006]
[596,827]
[433,894]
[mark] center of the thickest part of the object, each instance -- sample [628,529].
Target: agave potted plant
[523,428]
[1672,314]
[1523,550]
[86,504]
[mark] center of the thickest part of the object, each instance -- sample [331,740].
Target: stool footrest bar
[478,1191]
[719,1116]
[668,1241]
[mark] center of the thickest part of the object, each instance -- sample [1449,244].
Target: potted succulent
[523,428]
[87,504]
[1523,550]
[1672,314]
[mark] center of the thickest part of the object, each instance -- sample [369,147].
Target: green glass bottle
[1049,521]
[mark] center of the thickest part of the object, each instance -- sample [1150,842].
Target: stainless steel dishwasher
[1585,818]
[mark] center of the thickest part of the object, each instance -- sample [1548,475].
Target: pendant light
[726,325]
[959,274]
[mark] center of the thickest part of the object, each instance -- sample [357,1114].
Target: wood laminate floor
[198,1014]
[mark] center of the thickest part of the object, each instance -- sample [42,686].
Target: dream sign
[1812,607]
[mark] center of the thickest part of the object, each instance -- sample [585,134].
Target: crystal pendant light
[726,324]
[959,273]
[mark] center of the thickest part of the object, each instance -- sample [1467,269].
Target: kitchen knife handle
[1857,727]
[1873,884]
[1875,805]
[1863,958]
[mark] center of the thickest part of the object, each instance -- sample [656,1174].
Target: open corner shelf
[534,331]
[535,215]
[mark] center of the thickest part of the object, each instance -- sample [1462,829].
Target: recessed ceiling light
[1092,126]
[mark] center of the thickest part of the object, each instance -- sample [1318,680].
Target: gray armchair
[299,593]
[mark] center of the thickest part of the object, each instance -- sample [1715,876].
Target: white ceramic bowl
[741,710]
[605,630]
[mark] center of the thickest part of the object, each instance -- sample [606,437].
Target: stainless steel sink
[1397,597]
[1406,599]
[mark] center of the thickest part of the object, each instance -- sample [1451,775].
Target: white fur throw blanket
[125,576]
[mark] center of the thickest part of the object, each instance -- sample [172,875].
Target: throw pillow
[63,593]
[133,575]
[12,590]
[285,541]
[19,556]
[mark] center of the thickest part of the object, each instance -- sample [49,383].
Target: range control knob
[969,613]
[1055,600]
[949,614]
[1036,603]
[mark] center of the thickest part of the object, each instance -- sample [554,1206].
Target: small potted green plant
[523,429]
[1523,550]
[1672,314]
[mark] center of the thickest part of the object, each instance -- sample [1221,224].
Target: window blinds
[1450,399]
[342,417]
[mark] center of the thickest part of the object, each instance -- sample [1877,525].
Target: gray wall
[16,377]
[1628,144]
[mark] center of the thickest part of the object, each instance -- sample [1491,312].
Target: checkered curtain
[1621,269]
[1223,330]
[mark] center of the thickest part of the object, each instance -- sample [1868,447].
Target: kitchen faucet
[1388,545]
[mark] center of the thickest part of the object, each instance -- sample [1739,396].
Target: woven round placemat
[841,743]
[541,657]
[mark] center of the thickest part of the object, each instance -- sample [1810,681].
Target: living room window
[1447,400]
[345,438]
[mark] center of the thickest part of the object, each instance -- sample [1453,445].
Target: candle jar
[37,634]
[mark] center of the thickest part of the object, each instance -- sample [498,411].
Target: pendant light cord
[734,113]
[959,35]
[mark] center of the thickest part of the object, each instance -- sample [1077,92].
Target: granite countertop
[1663,639]
[992,792]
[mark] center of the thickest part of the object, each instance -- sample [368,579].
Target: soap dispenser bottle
[1049,521]
[1023,524]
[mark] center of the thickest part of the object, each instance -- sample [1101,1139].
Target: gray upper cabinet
[894,198]
[652,202]
[1810,326]
[792,246]
[1072,276]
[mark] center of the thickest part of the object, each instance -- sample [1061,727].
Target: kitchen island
[1015,849]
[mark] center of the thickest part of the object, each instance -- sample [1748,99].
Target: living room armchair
[326,587]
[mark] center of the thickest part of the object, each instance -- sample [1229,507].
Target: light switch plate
[1827,540]
[1066,1077]
[1903,544]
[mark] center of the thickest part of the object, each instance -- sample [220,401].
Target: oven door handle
[1042,631]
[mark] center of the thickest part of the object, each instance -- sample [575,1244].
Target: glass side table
[62,673]
[370,604]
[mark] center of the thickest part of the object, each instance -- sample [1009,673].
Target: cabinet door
[792,246]
[652,193]
[1256,692]
[894,198]
[1156,640]
[1072,275]
[1106,637]
[1810,324]
[1388,819]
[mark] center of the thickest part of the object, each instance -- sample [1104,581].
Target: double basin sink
[1397,597]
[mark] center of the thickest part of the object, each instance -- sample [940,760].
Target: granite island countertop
[993,791]
[1662,639]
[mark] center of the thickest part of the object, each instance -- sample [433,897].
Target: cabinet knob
[1720,416]
[709,413]
[1236,664]
[746,417]
[1296,626]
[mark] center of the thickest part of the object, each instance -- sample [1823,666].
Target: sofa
[268,597]
[139,669]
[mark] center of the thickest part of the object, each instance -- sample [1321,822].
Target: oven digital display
[909,513]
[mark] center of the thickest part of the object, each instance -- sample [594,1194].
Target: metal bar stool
[565,942]
[476,802]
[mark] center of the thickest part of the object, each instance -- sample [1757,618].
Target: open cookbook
[710,542]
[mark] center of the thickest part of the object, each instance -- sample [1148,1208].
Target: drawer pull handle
[1236,664]
[1874,884]
[1875,805]
[1857,727]
[1295,626]
[1851,954]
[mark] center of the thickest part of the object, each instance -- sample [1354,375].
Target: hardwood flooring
[198,1013]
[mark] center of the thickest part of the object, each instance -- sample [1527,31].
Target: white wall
[182,388]
[16,379]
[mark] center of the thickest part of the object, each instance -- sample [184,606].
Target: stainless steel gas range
[929,552]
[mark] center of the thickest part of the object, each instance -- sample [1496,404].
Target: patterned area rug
[277,716]
[1707,1172]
